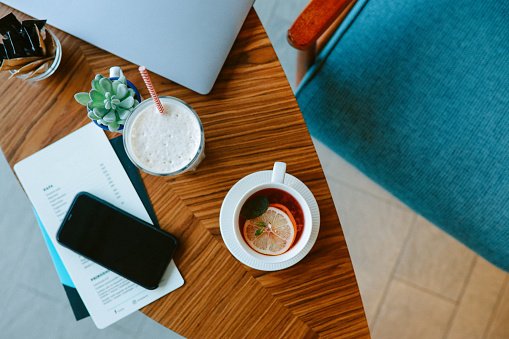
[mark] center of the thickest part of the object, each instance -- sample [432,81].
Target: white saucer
[228,208]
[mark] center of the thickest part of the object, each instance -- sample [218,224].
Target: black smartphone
[117,240]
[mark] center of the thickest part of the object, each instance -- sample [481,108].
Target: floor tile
[14,222]
[499,328]
[33,317]
[477,304]
[155,329]
[410,313]
[28,315]
[375,232]
[37,266]
[435,261]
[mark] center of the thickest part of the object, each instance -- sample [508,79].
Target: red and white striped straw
[150,87]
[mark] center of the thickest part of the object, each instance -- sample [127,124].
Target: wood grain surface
[251,120]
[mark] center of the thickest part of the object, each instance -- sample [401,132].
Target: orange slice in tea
[273,232]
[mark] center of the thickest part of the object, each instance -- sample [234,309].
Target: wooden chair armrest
[314,20]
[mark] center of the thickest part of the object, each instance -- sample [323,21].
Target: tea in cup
[272,221]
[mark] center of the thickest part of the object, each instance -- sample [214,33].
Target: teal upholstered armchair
[415,94]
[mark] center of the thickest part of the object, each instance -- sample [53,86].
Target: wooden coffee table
[251,120]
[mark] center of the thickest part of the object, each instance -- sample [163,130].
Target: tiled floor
[415,280]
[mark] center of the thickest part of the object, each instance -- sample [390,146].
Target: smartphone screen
[117,240]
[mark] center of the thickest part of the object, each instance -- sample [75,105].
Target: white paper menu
[85,161]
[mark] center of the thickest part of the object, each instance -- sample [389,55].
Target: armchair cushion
[416,95]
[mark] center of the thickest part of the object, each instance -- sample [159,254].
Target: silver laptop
[186,41]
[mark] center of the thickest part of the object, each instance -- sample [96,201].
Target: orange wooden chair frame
[313,28]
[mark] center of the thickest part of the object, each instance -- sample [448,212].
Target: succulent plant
[109,102]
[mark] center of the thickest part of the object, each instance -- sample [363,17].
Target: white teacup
[277,182]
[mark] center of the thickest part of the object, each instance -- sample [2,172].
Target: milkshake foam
[164,143]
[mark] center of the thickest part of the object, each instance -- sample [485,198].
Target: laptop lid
[186,41]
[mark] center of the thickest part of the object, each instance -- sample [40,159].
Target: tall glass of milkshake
[164,144]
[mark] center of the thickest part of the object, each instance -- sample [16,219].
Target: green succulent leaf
[114,86]
[114,102]
[113,127]
[123,113]
[93,104]
[122,91]
[123,79]
[127,102]
[96,86]
[92,115]
[110,117]
[101,111]
[98,77]
[96,96]
[105,84]
[82,98]
[131,91]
